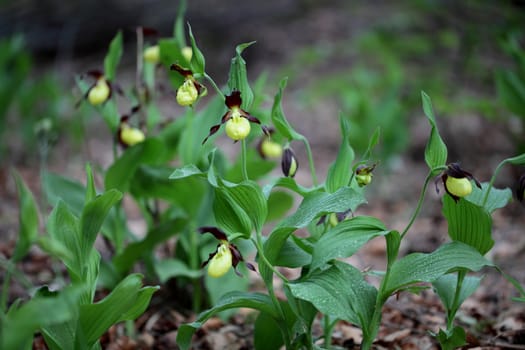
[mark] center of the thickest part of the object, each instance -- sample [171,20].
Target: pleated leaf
[436,150]
[468,223]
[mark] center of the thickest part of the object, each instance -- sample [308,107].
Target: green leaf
[153,181]
[316,204]
[436,150]
[292,255]
[186,171]
[171,52]
[372,143]
[340,172]
[267,333]
[91,190]
[497,198]
[249,197]
[127,301]
[197,59]
[279,202]
[93,217]
[256,301]
[28,219]
[345,239]
[238,77]
[63,227]
[133,251]
[120,173]
[446,286]
[313,205]
[517,160]
[178,27]
[450,340]
[339,291]
[113,56]
[288,183]
[421,267]
[169,268]
[278,118]
[468,223]
[511,91]
[40,312]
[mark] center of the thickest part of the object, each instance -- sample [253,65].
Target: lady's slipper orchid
[128,135]
[268,148]
[152,54]
[190,90]
[457,181]
[100,91]
[226,255]
[289,163]
[363,174]
[237,120]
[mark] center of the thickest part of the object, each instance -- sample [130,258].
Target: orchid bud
[221,262]
[289,163]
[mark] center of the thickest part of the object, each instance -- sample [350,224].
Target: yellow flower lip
[270,149]
[131,136]
[221,262]
[152,54]
[457,182]
[99,93]
[459,187]
[237,127]
[187,94]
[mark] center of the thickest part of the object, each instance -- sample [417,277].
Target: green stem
[219,92]
[310,161]
[5,287]
[492,179]
[243,161]
[451,314]
[421,198]
[194,263]
[258,244]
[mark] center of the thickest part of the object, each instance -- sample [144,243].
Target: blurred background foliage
[367,61]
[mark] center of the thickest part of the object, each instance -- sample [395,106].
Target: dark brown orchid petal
[444,179]
[250,267]
[322,220]
[217,233]
[267,130]
[251,118]
[148,31]
[200,88]
[184,72]
[135,109]
[226,117]
[233,100]
[520,189]
[213,130]
[95,73]
[210,257]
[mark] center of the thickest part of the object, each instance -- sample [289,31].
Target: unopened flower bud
[131,136]
[289,163]
[221,261]
[152,54]
[187,53]
[187,94]
[99,93]
[237,127]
